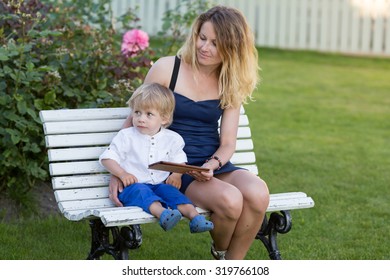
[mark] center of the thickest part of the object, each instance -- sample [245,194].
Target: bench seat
[132,215]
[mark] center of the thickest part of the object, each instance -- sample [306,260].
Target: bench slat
[101,125]
[80,181]
[81,194]
[251,167]
[290,204]
[90,195]
[77,167]
[79,140]
[119,218]
[133,219]
[104,206]
[77,153]
[78,215]
[86,204]
[85,167]
[84,114]
[244,145]
[89,114]
[274,198]
[88,126]
[287,195]
[93,139]
[243,158]
[99,180]
[89,153]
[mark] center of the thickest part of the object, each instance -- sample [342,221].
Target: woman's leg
[224,201]
[255,203]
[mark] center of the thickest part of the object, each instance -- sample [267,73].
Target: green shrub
[177,24]
[64,54]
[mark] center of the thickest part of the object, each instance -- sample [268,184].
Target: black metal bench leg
[270,228]
[128,237]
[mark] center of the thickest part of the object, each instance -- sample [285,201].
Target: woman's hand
[115,187]
[202,176]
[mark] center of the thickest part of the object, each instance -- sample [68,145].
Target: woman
[216,73]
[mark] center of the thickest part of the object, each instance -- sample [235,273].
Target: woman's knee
[253,189]
[230,204]
[256,196]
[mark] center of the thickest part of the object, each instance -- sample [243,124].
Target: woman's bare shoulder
[161,71]
[166,60]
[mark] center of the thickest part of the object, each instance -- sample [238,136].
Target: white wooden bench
[76,137]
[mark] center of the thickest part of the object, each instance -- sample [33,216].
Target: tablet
[175,167]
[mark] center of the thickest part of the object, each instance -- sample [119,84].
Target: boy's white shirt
[134,151]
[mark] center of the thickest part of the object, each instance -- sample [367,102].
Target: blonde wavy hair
[154,96]
[239,70]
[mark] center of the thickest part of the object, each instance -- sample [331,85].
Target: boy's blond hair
[154,96]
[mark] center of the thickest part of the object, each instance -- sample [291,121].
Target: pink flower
[134,41]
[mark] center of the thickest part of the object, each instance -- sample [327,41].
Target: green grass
[321,124]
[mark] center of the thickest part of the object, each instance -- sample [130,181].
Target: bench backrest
[75,138]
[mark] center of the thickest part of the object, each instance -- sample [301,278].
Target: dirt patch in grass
[44,201]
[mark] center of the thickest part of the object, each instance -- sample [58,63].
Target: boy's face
[147,121]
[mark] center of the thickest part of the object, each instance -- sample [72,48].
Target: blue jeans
[143,195]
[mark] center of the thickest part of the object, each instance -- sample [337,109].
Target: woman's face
[206,46]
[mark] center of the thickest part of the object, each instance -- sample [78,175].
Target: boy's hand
[175,180]
[128,179]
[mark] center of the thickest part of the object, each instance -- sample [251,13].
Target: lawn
[321,124]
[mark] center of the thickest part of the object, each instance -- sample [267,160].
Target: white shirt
[134,151]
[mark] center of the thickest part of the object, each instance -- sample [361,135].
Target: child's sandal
[169,218]
[200,224]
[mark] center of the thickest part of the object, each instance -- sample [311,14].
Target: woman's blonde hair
[154,96]
[238,73]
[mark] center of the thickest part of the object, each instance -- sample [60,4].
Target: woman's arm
[161,71]
[116,184]
[128,122]
[115,187]
[228,137]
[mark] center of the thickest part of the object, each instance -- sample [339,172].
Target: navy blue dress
[197,123]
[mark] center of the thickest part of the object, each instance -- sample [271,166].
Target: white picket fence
[343,26]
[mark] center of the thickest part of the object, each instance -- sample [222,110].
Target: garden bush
[64,54]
